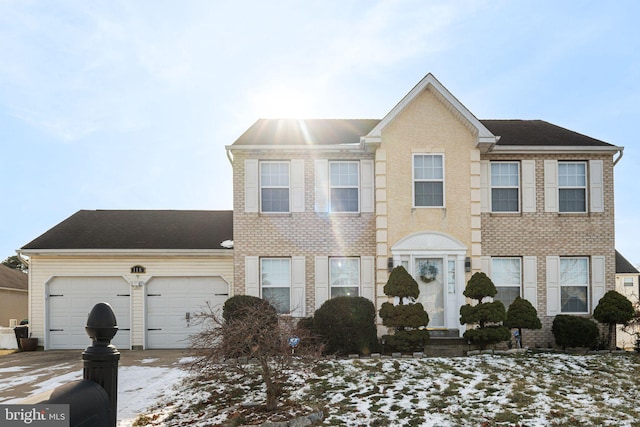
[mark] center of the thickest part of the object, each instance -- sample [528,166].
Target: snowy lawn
[530,389]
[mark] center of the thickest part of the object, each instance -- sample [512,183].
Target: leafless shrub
[253,337]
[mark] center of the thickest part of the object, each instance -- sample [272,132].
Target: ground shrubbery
[347,325]
[574,331]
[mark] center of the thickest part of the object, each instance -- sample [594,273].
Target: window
[344,277]
[275,282]
[274,186]
[505,183]
[506,274]
[574,285]
[344,186]
[628,281]
[572,186]
[428,176]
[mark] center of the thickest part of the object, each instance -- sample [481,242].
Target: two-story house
[327,207]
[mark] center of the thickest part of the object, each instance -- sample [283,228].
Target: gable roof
[138,229]
[13,279]
[308,132]
[623,266]
[290,132]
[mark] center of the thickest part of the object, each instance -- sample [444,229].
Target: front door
[429,273]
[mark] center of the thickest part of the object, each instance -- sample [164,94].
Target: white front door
[430,277]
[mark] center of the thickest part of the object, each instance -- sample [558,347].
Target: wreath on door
[428,272]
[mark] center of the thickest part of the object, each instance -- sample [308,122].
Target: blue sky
[128,105]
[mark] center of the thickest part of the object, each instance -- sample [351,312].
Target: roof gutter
[620,154]
[22,260]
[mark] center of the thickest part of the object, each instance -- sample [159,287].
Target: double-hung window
[344,183]
[574,285]
[428,180]
[506,274]
[275,282]
[274,186]
[505,186]
[628,281]
[344,276]
[572,186]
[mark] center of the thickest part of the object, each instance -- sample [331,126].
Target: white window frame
[627,281]
[575,285]
[358,283]
[278,304]
[517,187]
[507,285]
[584,187]
[416,180]
[338,187]
[263,186]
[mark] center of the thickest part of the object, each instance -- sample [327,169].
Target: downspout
[229,156]
[22,260]
[615,162]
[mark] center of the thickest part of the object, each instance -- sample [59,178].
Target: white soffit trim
[430,82]
[519,149]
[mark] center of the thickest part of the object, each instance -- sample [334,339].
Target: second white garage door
[70,299]
[172,304]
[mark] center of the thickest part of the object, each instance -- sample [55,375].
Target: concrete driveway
[27,373]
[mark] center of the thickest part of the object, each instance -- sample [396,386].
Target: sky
[114,104]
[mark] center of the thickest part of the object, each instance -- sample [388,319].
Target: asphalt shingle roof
[349,131]
[624,266]
[13,279]
[138,229]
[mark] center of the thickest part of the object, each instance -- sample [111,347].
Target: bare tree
[253,336]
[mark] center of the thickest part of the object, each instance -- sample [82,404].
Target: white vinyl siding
[428,180]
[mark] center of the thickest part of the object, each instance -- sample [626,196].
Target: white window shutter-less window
[598,279]
[530,280]
[297,185]
[321,177]
[322,280]
[367,197]
[485,188]
[596,182]
[252,276]
[251,184]
[553,285]
[551,186]
[298,282]
[367,274]
[528,186]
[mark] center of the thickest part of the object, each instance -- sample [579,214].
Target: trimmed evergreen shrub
[348,325]
[487,316]
[522,315]
[613,308]
[574,331]
[408,318]
[236,306]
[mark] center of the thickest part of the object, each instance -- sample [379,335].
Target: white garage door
[171,306]
[70,301]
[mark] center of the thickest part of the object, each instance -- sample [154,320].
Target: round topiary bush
[574,331]
[347,324]
[237,305]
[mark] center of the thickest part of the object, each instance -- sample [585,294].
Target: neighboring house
[327,207]
[627,284]
[14,295]
[156,269]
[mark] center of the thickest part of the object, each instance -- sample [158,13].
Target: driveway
[144,376]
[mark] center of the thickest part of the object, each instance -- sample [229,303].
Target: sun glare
[282,103]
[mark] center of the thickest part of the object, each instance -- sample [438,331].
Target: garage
[70,299]
[172,304]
